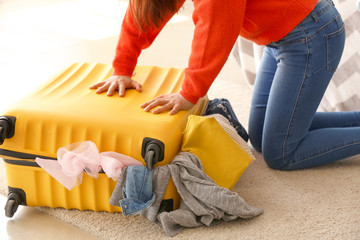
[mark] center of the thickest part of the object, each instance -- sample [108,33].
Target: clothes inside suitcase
[65,111]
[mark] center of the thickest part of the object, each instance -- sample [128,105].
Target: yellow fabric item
[223,159]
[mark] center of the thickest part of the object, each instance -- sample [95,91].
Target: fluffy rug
[319,203]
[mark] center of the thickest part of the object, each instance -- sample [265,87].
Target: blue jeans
[284,123]
[137,193]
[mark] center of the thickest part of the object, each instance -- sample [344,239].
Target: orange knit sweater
[218,23]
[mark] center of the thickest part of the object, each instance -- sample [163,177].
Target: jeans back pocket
[335,46]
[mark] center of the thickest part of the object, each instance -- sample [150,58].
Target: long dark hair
[148,13]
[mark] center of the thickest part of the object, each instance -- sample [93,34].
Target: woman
[304,42]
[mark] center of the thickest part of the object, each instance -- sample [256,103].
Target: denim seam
[320,29]
[297,100]
[143,184]
[330,36]
[322,153]
[135,208]
[307,38]
[303,40]
[323,10]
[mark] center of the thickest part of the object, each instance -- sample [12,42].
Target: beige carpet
[319,203]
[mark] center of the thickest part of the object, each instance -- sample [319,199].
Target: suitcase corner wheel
[15,198]
[7,128]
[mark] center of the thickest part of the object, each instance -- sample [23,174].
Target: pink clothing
[76,158]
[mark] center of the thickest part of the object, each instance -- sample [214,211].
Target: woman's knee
[255,140]
[255,133]
[276,161]
[255,143]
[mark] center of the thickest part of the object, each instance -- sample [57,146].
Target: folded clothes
[134,190]
[223,107]
[76,158]
[203,202]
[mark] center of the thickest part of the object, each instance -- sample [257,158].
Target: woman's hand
[116,82]
[172,102]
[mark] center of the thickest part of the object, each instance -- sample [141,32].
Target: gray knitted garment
[203,202]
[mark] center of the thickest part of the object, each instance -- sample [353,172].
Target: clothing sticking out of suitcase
[65,111]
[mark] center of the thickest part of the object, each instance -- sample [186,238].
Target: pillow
[224,160]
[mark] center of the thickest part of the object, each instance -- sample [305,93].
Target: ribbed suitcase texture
[65,111]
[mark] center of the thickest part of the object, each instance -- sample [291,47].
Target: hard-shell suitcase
[65,111]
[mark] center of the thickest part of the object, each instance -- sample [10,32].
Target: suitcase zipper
[21,162]
[23,159]
[152,151]
[22,155]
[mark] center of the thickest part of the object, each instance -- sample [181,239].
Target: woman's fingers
[148,106]
[112,88]
[97,85]
[174,110]
[164,108]
[173,103]
[144,105]
[116,82]
[136,85]
[103,88]
[122,90]
[123,85]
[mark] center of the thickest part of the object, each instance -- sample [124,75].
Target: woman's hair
[148,13]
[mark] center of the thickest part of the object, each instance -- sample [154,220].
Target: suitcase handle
[150,160]
[152,152]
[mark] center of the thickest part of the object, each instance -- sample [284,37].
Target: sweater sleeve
[217,26]
[132,41]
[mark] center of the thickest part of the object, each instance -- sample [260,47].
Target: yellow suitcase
[65,111]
